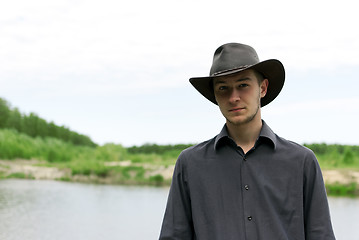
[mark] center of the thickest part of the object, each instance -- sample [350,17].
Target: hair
[260,77]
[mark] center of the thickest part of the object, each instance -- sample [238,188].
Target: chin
[240,120]
[236,122]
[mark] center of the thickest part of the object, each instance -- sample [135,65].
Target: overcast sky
[118,71]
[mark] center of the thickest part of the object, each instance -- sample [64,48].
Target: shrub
[157,179]
[348,157]
[342,189]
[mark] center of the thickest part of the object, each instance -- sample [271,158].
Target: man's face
[238,96]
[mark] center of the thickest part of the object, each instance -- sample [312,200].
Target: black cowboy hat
[232,58]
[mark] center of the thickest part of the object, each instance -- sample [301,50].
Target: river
[51,210]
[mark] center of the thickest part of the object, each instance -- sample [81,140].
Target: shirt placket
[247,187]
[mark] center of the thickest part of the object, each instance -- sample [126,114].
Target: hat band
[229,70]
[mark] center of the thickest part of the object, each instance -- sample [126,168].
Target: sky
[118,71]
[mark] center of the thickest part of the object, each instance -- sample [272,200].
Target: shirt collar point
[266,132]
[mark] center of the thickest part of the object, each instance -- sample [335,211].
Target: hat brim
[271,69]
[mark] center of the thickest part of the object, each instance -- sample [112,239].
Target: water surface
[50,210]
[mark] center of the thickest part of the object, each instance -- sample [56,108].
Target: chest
[235,175]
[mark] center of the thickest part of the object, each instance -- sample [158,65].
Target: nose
[234,96]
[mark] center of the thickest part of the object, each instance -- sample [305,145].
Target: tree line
[323,148]
[34,126]
[157,149]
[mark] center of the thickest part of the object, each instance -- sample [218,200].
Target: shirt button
[244,158]
[249,218]
[246,187]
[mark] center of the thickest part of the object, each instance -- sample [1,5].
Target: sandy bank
[29,168]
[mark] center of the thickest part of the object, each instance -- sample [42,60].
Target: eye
[243,85]
[222,88]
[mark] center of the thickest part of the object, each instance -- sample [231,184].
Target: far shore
[32,169]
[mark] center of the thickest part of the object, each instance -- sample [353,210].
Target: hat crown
[232,56]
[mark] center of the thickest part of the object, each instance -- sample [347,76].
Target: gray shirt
[273,192]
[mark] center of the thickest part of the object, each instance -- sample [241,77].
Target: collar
[266,135]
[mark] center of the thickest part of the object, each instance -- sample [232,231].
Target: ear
[264,87]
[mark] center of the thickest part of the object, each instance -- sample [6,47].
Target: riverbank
[41,170]
[344,182]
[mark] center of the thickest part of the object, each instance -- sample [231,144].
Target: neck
[245,135]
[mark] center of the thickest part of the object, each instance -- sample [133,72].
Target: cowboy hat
[232,58]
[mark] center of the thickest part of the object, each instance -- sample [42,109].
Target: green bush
[110,152]
[348,157]
[342,189]
[18,145]
[157,179]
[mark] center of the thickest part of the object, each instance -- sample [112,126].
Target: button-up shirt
[273,192]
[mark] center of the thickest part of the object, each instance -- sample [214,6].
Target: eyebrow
[238,80]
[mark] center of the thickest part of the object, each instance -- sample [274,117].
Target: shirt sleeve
[177,222]
[317,222]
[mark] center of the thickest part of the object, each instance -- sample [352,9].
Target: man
[247,182]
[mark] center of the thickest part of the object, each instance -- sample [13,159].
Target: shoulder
[201,149]
[294,150]
[284,144]
[188,157]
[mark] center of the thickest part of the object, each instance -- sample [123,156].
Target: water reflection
[56,210]
[345,217]
[36,210]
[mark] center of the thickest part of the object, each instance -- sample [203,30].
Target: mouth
[237,109]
